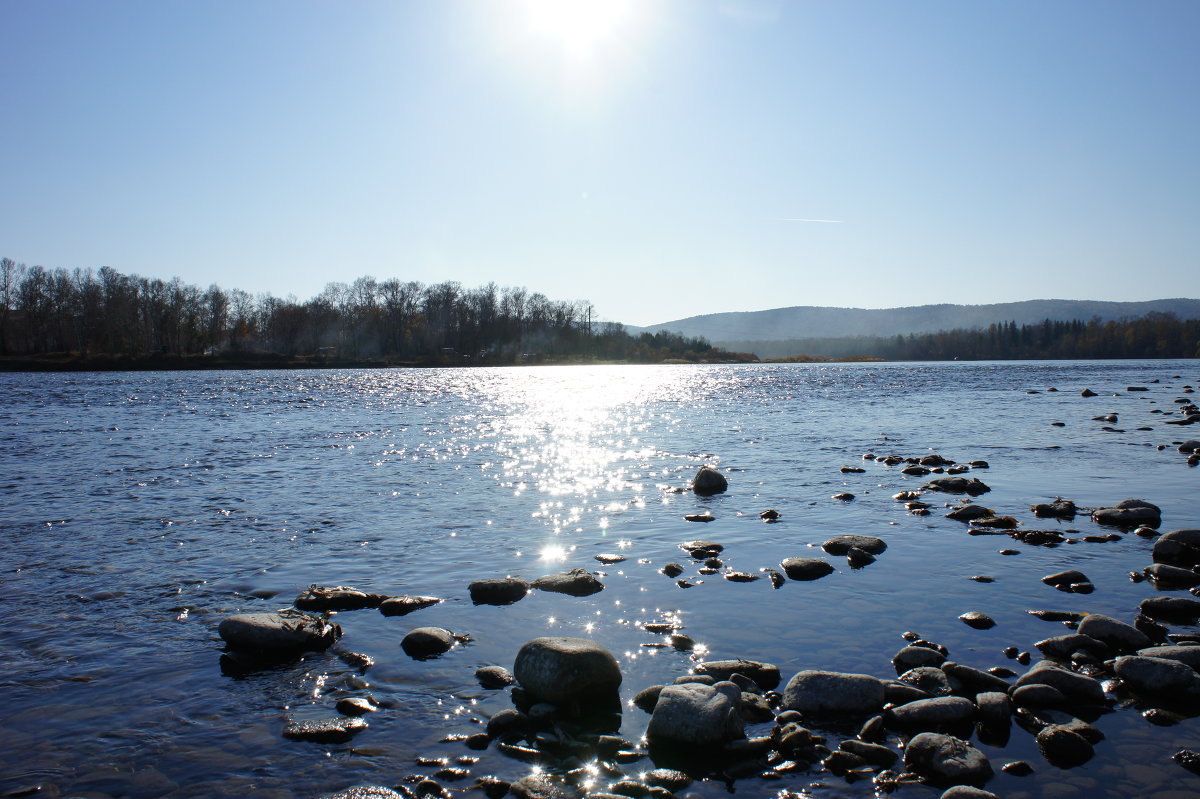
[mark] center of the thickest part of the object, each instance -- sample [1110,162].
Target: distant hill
[807,322]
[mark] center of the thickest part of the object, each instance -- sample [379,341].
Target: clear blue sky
[654,157]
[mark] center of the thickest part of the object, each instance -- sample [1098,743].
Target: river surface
[139,509]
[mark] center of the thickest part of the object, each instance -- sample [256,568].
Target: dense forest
[1156,335]
[92,316]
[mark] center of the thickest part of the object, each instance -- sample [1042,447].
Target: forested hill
[806,322]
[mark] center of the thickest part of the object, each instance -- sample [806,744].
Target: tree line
[107,313]
[1156,335]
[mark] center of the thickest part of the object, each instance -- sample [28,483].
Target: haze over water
[142,508]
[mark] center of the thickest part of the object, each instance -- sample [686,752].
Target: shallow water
[141,508]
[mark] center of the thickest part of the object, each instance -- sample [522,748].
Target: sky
[659,158]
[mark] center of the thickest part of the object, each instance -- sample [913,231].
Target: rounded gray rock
[946,760]
[815,692]
[1161,677]
[427,642]
[556,669]
[498,591]
[931,715]
[698,714]
[806,568]
[1116,634]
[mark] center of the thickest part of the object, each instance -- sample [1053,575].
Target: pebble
[977,620]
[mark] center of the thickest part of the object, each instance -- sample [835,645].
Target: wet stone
[1064,748]
[330,731]
[804,569]
[278,633]
[321,599]
[498,591]
[405,604]
[977,620]
[355,706]
[841,545]
[494,677]
[427,642]
[577,582]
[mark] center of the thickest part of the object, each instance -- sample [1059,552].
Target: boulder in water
[279,633]
[698,714]
[709,481]
[558,669]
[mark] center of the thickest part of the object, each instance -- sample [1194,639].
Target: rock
[957,485]
[494,677]
[1087,392]
[647,698]
[1038,696]
[672,570]
[700,550]
[845,496]
[355,706]
[806,568]
[1058,509]
[977,620]
[405,604]
[557,669]
[1064,647]
[969,512]
[1184,654]
[842,544]
[285,632]
[709,481]
[667,778]
[1159,677]
[321,599]
[817,693]
[967,792]
[1076,687]
[1174,609]
[933,681]
[972,680]
[875,754]
[1189,759]
[772,515]
[577,582]
[1065,579]
[330,731]
[764,675]
[1116,635]
[364,792]
[994,709]
[697,714]
[858,558]
[700,517]
[946,760]
[498,591]
[1165,577]
[1063,748]
[1178,548]
[1129,512]
[542,786]
[427,642]
[1191,445]
[911,657]
[931,715]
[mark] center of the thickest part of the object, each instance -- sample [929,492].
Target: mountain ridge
[812,321]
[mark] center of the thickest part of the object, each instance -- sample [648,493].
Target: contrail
[798,219]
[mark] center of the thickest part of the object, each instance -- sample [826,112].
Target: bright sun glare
[582,29]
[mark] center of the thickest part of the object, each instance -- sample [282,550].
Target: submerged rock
[577,582]
[765,675]
[698,714]
[278,633]
[558,669]
[1064,748]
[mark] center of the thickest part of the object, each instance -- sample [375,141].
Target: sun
[582,30]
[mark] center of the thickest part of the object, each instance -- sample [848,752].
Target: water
[139,509]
